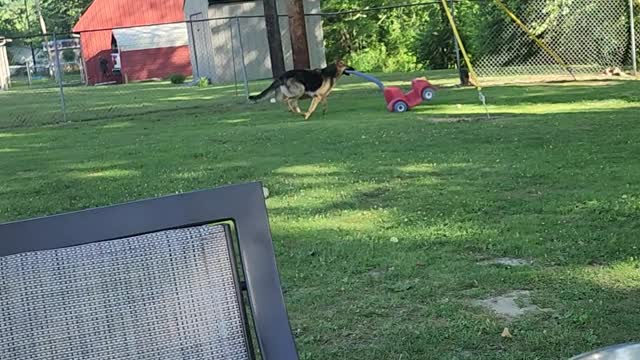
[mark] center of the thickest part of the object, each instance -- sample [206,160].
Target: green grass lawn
[380,221]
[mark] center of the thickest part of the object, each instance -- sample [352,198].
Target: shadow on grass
[392,298]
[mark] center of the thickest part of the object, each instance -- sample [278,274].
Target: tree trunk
[298,32]
[274,37]
[43,25]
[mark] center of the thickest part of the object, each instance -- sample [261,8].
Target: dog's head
[341,66]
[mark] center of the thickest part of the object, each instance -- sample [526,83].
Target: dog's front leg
[325,105]
[314,105]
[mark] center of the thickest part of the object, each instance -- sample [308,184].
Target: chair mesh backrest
[166,295]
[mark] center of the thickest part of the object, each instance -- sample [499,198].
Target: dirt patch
[440,120]
[376,274]
[506,262]
[375,193]
[510,306]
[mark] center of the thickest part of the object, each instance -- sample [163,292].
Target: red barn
[133,40]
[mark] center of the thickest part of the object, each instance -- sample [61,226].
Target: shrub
[69,55]
[378,59]
[369,60]
[203,82]
[177,78]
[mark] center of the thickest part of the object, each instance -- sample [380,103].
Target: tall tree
[13,20]
[22,17]
[273,36]
[43,25]
[298,32]
[62,15]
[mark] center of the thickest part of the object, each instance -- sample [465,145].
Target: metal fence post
[233,58]
[194,50]
[59,77]
[29,71]
[244,67]
[633,38]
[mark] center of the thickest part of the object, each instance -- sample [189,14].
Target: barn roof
[151,37]
[108,14]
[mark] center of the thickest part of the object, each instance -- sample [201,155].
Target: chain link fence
[53,81]
[37,72]
[584,38]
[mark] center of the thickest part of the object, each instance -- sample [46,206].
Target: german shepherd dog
[316,84]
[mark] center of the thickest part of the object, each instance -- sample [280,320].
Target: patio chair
[189,276]
[628,351]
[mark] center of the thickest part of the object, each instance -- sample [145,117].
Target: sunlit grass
[316,169]
[527,108]
[115,173]
[623,275]
[118,125]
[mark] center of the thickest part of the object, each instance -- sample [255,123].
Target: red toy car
[397,101]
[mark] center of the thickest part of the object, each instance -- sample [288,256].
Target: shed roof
[108,14]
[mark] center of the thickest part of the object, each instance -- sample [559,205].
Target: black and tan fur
[316,84]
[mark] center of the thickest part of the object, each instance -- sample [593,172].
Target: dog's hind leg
[296,107]
[289,101]
[293,91]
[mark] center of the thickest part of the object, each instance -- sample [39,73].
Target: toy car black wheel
[400,106]
[428,94]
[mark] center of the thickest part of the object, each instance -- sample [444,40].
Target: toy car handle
[367,77]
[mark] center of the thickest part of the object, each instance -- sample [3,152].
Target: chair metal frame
[243,205]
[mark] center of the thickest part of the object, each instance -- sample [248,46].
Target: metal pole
[59,76]
[233,58]
[244,67]
[633,39]
[195,49]
[456,46]
[29,72]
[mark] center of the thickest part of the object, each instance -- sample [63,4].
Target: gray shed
[215,46]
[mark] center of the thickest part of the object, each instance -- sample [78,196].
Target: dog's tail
[273,87]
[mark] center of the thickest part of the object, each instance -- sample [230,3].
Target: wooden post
[298,32]
[274,37]
[5,74]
